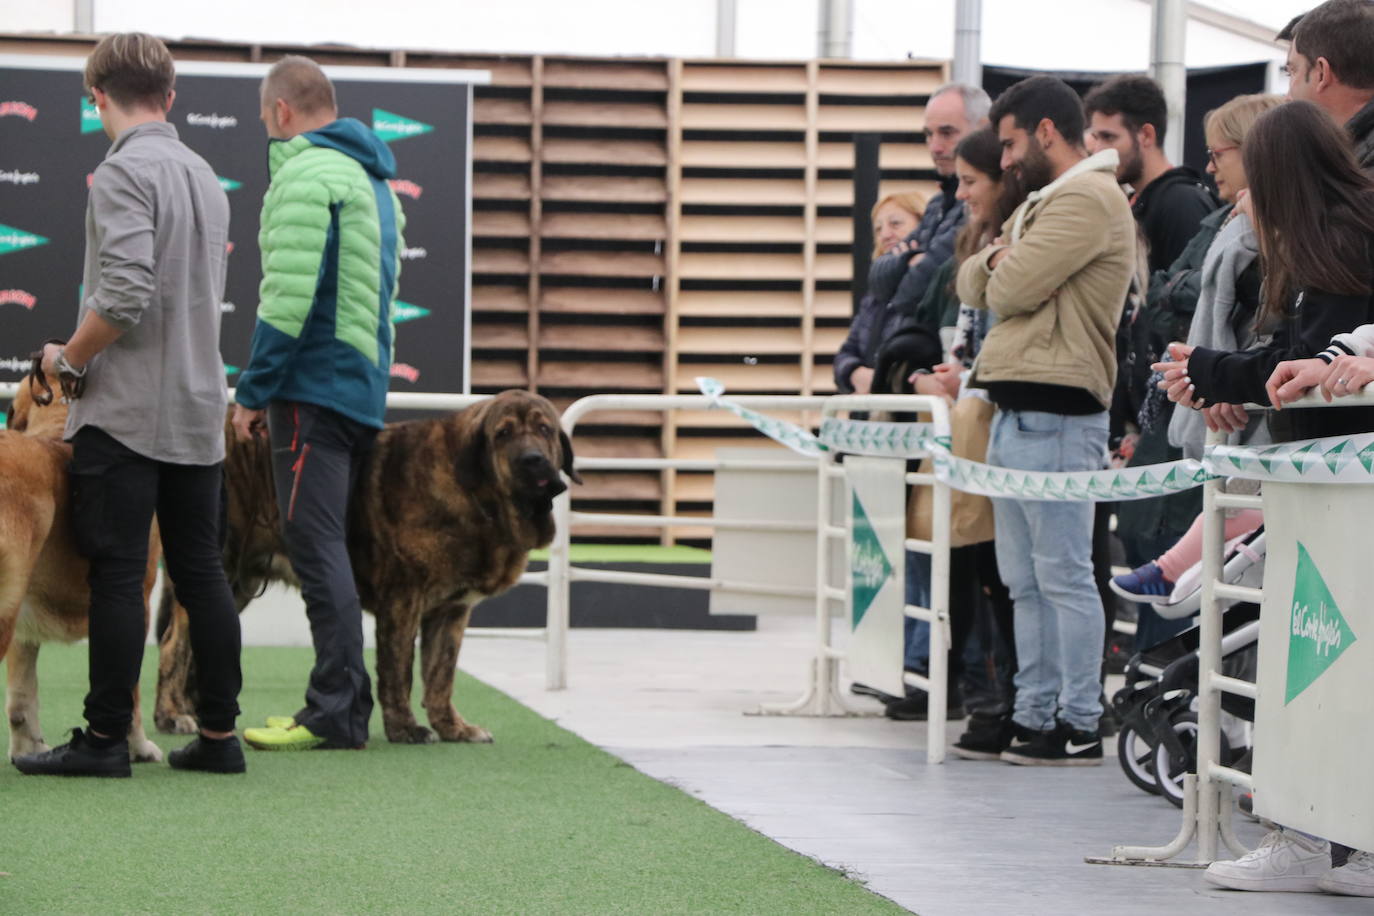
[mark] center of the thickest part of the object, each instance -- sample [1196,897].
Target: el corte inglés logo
[90,117]
[18,110]
[12,239]
[14,176]
[388,127]
[404,311]
[868,563]
[215,121]
[228,184]
[1317,632]
[18,297]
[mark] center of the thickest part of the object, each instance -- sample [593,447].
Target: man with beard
[1330,65]
[1056,279]
[1129,114]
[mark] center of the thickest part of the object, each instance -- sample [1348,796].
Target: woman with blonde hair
[1210,296]
[895,217]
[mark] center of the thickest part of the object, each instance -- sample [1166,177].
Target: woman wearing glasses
[1209,296]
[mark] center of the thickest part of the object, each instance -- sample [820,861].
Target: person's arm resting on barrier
[1240,377]
[124,290]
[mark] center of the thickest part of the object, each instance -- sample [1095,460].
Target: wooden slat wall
[641,222]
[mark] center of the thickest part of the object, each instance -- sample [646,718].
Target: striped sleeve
[1359,342]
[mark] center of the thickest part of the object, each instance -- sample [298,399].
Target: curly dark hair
[1138,99]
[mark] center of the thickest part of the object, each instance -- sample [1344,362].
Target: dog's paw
[144,752]
[411,734]
[178,725]
[473,734]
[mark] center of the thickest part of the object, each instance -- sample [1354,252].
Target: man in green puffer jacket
[321,359]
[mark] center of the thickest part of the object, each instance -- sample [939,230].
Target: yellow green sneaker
[280,722]
[296,738]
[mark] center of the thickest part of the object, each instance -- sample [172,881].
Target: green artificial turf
[630,553]
[539,822]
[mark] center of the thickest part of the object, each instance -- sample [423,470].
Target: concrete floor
[855,793]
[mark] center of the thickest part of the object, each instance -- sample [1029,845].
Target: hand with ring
[1347,375]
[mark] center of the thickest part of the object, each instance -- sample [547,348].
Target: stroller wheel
[1137,759]
[1171,765]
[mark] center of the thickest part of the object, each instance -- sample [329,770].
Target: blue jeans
[916,656]
[1044,554]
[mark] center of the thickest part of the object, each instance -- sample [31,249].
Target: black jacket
[1237,377]
[1170,211]
[1361,129]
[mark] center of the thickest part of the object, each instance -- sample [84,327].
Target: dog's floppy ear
[470,461]
[565,444]
[10,421]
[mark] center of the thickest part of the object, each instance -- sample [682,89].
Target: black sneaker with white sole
[1061,746]
[988,736]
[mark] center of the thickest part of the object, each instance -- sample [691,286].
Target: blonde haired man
[147,435]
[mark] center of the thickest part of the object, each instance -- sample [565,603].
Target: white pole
[1209,661]
[968,42]
[725,28]
[836,29]
[83,17]
[1169,29]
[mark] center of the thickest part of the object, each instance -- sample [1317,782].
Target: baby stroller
[1157,743]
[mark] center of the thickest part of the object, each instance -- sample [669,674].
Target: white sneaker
[1354,879]
[1284,861]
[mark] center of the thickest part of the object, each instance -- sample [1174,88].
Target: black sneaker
[864,690]
[1061,746]
[915,707]
[210,755]
[988,736]
[78,758]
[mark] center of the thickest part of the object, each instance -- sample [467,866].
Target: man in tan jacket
[1055,281]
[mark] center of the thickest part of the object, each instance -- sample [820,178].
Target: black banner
[51,141]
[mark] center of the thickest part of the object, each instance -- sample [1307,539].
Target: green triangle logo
[868,563]
[404,311]
[13,239]
[1317,633]
[1299,458]
[1269,457]
[90,117]
[1366,457]
[388,126]
[231,370]
[228,184]
[1338,457]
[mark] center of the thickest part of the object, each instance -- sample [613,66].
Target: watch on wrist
[67,368]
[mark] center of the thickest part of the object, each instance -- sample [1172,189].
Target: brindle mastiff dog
[43,592]
[445,514]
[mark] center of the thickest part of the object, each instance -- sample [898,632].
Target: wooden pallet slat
[588,300]
[593,151]
[627,226]
[601,263]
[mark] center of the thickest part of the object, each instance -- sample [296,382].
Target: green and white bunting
[1339,459]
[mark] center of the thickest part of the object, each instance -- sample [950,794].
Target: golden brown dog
[43,592]
[445,514]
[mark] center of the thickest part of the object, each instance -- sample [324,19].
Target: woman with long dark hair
[1314,214]
[1313,210]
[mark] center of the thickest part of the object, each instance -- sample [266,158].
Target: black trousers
[115,494]
[317,454]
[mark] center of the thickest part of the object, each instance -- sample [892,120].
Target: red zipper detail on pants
[296,468]
[295,426]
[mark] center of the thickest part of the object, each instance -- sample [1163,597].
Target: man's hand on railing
[1292,379]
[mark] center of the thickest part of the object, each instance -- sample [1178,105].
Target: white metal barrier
[822,696]
[1208,804]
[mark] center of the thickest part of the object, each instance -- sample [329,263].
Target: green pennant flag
[868,563]
[1318,633]
[1299,457]
[1366,457]
[1339,456]
[1269,457]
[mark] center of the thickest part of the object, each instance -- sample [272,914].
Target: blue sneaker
[1144,583]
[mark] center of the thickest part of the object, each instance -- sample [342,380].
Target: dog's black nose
[531,460]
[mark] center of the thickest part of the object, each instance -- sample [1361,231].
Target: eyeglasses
[1215,154]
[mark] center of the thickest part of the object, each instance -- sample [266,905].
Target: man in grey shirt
[148,434]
